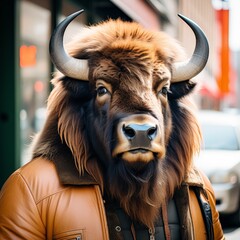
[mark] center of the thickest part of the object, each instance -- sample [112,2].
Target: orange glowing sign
[223,78]
[28,56]
[38,86]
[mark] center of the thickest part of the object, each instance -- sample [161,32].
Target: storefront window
[35,24]
[34,70]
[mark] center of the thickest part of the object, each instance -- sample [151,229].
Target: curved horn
[188,69]
[69,66]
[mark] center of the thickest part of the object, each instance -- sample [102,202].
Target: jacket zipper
[151,233]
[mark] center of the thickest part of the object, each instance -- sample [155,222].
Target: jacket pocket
[71,235]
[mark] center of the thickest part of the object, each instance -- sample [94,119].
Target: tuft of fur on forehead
[118,33]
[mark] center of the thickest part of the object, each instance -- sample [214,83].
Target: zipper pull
[151,233]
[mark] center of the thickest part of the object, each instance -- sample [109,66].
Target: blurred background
[26,69]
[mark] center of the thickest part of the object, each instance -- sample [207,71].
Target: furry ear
[77,88]
[181,89]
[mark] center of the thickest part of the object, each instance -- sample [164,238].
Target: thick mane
[184,142]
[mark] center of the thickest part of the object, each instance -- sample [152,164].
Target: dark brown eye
[101,91]
[163,91]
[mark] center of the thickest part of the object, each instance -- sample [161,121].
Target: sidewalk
[234,235]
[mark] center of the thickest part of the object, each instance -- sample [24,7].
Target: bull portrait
[119,110]
[119,117]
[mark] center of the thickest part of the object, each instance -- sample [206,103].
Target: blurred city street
[28,68]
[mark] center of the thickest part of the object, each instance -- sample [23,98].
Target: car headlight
[224,177]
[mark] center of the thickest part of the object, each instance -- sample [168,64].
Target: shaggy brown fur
[135,65]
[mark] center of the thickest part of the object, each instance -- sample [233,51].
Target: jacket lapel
[181,196]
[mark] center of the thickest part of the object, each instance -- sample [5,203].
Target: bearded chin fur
[140,192]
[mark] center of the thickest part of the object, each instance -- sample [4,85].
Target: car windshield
[219,137]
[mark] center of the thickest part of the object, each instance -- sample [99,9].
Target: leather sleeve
[217,228]
[19,217]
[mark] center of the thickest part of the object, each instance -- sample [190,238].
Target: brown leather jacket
[42,200]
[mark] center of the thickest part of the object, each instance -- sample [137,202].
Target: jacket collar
[194,178]
[68,173]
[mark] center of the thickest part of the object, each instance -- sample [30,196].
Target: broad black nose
[140,133]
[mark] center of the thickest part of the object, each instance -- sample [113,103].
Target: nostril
[129,132]
[152,132]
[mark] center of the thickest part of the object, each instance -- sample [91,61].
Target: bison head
[120,110]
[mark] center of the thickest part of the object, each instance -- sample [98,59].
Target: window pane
[219,137]
[34,70]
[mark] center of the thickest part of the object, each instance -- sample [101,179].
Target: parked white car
[220,159]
